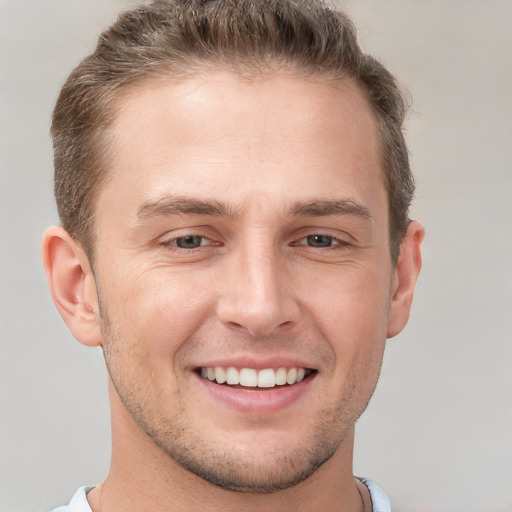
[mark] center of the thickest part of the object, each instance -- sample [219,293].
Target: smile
[252,378]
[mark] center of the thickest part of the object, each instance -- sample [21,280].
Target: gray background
[438,433]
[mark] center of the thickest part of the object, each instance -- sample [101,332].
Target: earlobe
[72,285]
[406,275]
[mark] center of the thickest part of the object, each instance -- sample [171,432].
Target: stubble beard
[227,467]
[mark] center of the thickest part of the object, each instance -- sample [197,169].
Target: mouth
[266,378]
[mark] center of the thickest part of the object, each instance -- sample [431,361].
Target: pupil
[319,241]
[188,242]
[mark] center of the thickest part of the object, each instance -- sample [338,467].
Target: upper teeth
[267,378]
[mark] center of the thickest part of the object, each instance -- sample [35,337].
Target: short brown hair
[177,38]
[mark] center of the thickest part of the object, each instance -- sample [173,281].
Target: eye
[189,241]
[320,241]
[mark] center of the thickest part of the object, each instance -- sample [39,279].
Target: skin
[271,277]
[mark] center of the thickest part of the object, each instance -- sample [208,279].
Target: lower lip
[255,399]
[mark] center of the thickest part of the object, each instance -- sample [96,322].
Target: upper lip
[257,363]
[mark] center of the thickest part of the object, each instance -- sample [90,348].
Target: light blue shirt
[79,503]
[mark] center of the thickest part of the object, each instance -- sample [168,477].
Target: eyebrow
[321,208]
[186,206]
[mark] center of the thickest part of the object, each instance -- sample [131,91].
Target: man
[234,187]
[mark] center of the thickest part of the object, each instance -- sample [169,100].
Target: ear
[72,285]
[405,277]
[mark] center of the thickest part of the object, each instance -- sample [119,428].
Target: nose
[257,294]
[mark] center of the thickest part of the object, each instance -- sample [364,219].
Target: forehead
[279,101]
[220,133]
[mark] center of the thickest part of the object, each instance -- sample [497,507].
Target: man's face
[244,229]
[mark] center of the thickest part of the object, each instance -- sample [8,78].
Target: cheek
[351,310]
[157,312]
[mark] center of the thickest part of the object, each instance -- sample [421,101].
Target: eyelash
[174,242]
[334,241]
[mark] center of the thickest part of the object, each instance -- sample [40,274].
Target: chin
[255,462]
[240,473]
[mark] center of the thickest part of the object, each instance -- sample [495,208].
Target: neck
[143,478]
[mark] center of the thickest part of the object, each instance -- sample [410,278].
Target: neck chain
[362,495]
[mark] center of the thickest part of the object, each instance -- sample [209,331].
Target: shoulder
[78,502]
[380,500]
